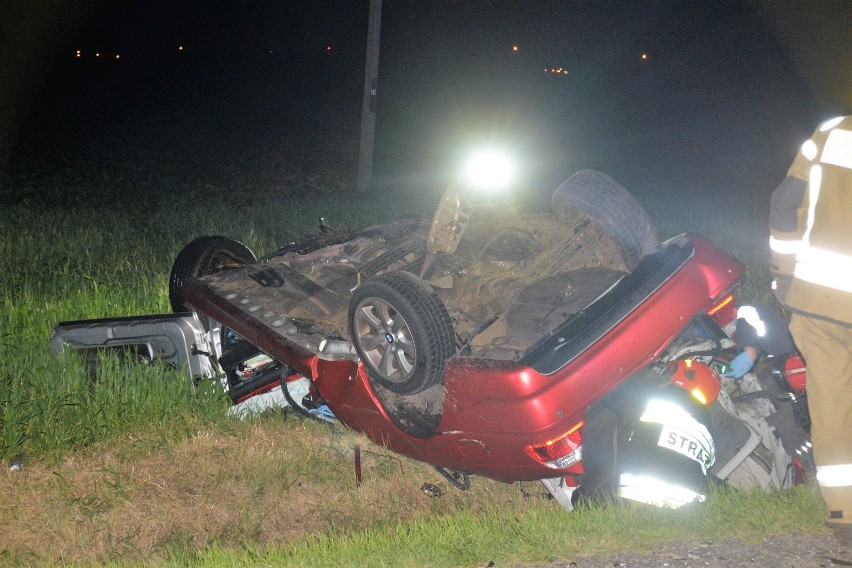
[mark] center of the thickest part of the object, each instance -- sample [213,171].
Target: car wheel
[402,332]
[204,256]
[604,200]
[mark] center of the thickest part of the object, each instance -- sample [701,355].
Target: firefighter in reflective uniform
[759,330]
[811,246]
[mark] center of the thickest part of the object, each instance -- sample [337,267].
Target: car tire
[607,202]
[204,256]
[401,331]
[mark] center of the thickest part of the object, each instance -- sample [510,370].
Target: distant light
[565,72]
[78,53]
[328,49]
[180,48]
[98,54]
[117,56]
[644,56]
[515,48]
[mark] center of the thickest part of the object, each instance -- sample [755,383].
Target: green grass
[61,263]
[506,533]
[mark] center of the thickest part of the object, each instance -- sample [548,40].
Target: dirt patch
[798,550]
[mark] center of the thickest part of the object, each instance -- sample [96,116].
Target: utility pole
[368,108]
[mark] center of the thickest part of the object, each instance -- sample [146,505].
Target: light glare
[490,169]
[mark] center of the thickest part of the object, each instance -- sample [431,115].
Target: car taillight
[724,311]
[560,452]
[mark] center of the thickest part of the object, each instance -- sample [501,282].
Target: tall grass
[60,263]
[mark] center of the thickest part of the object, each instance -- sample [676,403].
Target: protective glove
[323,412]
[741,365]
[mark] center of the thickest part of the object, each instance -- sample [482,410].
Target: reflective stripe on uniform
[655,491]
[813,264]
[823,267]
[809,150]
[782,246]
[749,313]
[670,414]
[813,196]
[681,432]
[834,475]
[829,124]
[838,149]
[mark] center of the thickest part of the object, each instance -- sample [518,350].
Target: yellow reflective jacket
[810,224]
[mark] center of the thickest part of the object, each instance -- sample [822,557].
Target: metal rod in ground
[357,465]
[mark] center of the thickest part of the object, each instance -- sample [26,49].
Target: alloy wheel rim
[385,339]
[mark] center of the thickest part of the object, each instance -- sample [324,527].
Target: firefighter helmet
[697,379]
[789,373]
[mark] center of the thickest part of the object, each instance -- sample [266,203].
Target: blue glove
[741,365]
[323,412]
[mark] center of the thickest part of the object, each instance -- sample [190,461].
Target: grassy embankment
[139,464]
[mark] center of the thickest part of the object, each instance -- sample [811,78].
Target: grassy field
[138,466]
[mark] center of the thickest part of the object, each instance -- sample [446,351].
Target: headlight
[489,170]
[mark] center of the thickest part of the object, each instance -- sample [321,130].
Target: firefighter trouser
[827,349]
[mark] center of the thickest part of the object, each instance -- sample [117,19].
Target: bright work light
[489,170]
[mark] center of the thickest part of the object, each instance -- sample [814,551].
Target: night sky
[641,90]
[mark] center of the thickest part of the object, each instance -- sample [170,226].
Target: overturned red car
[568,346]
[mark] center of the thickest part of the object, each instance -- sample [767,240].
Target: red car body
[505,419]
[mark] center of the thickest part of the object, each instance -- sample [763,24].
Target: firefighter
[811,245]
[759,330]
